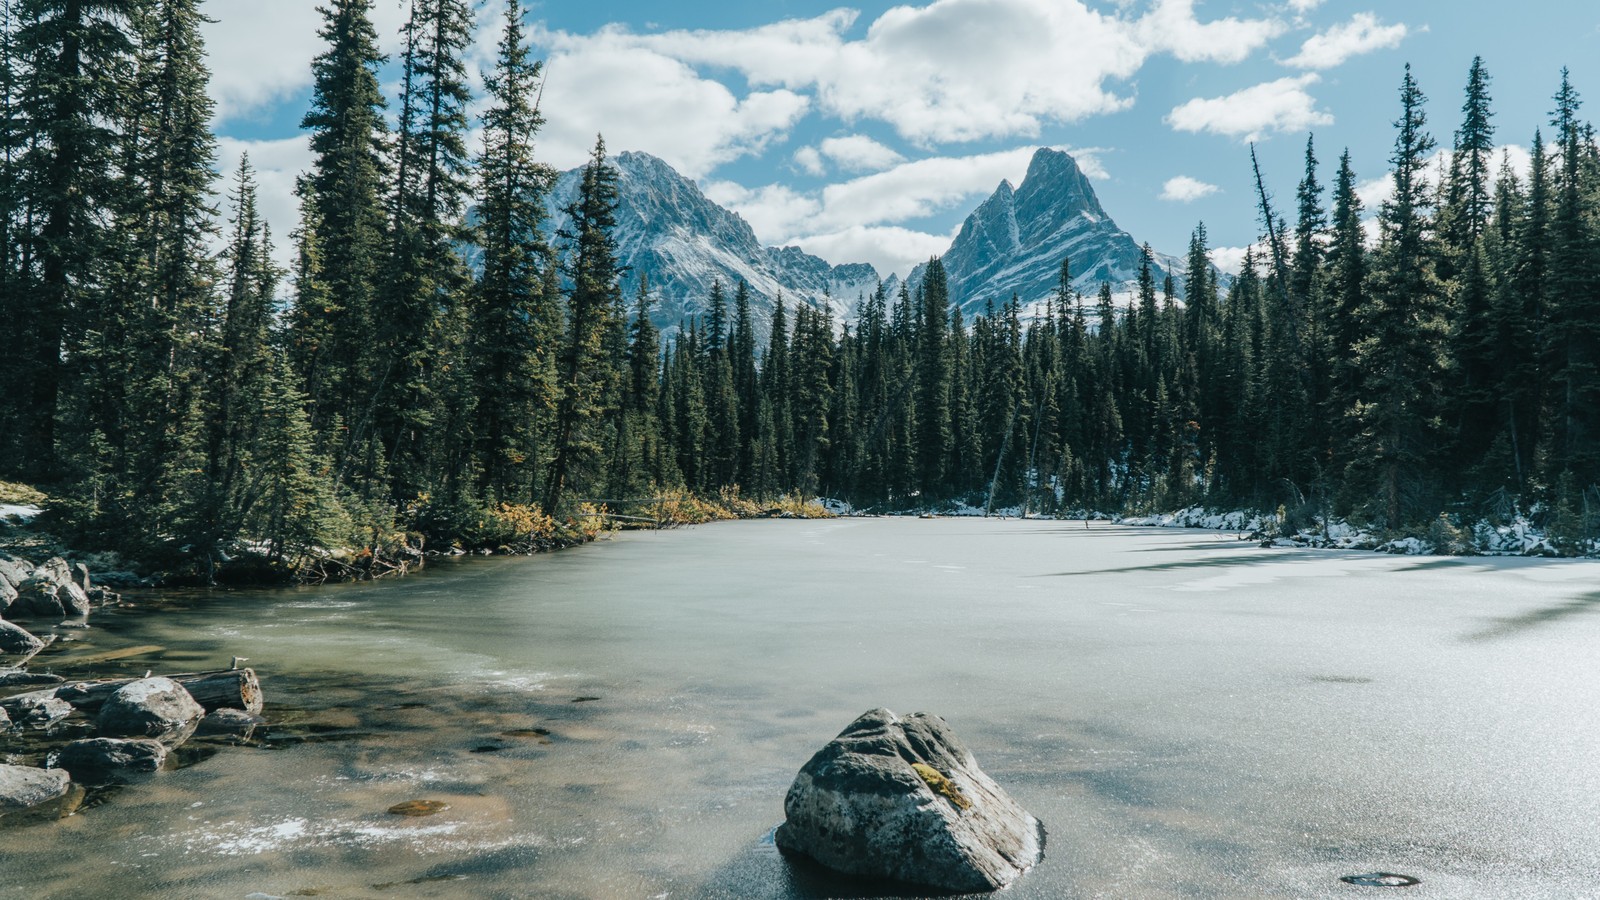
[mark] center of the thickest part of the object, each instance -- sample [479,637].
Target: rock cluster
[901,798]
[124,729]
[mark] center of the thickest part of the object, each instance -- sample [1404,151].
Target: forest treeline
[422,372]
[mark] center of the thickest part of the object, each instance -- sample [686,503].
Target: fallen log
[223,689]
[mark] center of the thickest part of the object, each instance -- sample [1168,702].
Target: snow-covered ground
[1518,538]
[21,511]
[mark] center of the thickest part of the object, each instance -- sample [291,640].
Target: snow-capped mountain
[1014,242]
[669,232]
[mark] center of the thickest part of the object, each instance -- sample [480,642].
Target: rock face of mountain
[1014,242]
[667,231]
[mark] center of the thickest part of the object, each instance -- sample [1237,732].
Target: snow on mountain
[668,231]
[1014,242]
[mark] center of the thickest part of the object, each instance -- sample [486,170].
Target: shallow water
[1189,715]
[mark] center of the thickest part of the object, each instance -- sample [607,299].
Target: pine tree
[1575,288]
[582,367]
[933,379]
[515,319]
[342,212]
[77,59]
[1401,356]
[422,277]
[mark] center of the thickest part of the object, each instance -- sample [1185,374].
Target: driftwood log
[223,689]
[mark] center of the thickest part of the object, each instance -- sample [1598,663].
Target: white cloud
[261,52]
[952,70]
[1362,34]
[809,160]
[1171,27]
[638,98]
[1230,259]
[776,213]
[1183,189]
[888,248]
[1304,6]
[1281,105]
[277,164]
[921,188]
[859,153]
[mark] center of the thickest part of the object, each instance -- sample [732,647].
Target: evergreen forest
[441,365]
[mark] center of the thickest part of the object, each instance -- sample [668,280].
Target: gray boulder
[96,760]
[17,645]
[157,708]
[901,798]
[5,719]
[36,710]
[50,592]
[24,787]
[14,571]
[8,594]
[19,678]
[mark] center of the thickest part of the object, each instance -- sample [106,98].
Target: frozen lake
[1189,715]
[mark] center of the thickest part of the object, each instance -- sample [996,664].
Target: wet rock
[17,642]
[5,719]
[8,594]
[96,760]
[23,788]
[902,798]
[157,708]
[80,576]
[50,592]
[36,710]
[230,723]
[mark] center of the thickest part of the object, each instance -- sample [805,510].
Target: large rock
[96,760]
[903,799]
[17,645]
[14,571]
[50,592]
[24,787]
[157,708]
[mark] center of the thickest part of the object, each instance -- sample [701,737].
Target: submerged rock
[901,798]
[157,708]
[95,760]
[233,723]
[24,787]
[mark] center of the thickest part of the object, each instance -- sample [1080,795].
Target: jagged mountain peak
[669,232]
[1014,242]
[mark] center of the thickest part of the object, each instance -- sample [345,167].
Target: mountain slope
[668,231]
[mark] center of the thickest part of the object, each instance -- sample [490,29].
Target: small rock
[234,723]
[8,594]
[36,710]
[417,808]
[96,760]
[157,708]
[24,787]
[901,798]
[15,641]
[80,576]
[5,718]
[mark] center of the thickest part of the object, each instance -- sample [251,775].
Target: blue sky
[867,132]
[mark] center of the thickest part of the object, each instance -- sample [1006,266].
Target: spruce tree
[516,319]
[1404,317]
[583,371]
